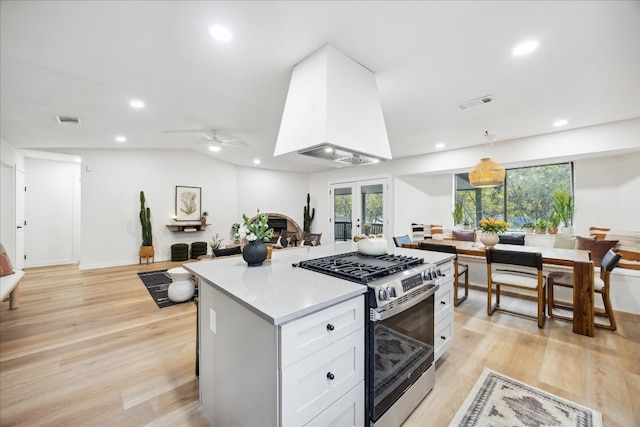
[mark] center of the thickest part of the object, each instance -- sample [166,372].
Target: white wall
[111,185]
[271,191]
[607,193]
[423,199]
[420,188]
[52,210]
[10,162]
[603,178]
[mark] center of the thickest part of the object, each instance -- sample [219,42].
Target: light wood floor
[91,348]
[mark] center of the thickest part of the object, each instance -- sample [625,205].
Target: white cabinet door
[346,412]
[444,301]
[317,381]
[305,336]
[443,336]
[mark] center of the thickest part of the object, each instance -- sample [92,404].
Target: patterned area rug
[497,400]
[157,283]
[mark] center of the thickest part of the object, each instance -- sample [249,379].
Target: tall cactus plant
[145,221]
[308,218]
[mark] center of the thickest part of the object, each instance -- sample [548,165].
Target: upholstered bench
[9,280]
[9,287]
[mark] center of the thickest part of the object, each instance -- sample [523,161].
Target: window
[528,194]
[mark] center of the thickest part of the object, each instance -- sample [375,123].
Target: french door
[358,207]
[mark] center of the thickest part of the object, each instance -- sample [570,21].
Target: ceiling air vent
[475,102]
[68,120]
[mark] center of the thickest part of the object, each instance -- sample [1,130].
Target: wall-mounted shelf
[187,227]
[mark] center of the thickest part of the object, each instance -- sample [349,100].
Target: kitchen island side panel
[238,363]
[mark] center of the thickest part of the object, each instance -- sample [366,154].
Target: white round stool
[182,288]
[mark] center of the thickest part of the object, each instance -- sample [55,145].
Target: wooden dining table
[578,259]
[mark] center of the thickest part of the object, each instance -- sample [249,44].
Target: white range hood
[333,112]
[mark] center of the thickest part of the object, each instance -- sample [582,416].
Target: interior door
[358,207]
[20,194]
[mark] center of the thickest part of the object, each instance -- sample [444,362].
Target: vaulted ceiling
[89,59]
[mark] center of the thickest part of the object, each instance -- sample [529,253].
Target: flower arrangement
[256,230]
[494,225]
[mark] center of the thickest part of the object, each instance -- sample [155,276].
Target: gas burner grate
[361,268]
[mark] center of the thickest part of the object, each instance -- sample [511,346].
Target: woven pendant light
[487,173]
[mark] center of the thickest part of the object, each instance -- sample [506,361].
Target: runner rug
[497,400]
[157,283]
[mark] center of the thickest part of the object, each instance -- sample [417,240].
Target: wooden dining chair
[520,270]
[600,285]
[458,269]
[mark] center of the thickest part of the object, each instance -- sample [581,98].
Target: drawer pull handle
[330,327]
[443,302]
[330,375]
[443,337]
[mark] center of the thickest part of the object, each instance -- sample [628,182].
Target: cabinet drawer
[443,336]
[305,336]
[308,387]
[447,268]
[443,301]
[348,411]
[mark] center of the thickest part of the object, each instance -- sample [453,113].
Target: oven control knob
[440,273]
[391,292]
[382,295]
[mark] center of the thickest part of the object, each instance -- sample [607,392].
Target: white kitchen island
[281,345]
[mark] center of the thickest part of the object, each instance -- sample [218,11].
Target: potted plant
[146,249]
[203,217]
[528,227]
[554,221]
[564,209]
[541,226]
[216,242]
[309,214]
[234,233]
[457,214]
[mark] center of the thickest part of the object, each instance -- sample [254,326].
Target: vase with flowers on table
[255,232]
[490,228]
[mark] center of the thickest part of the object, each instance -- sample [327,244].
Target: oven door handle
[385,314]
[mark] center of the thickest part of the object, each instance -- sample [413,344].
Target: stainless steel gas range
[399,365]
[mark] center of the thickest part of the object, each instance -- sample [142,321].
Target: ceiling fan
[210,136]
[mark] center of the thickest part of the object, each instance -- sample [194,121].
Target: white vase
[489,238]
[566,230]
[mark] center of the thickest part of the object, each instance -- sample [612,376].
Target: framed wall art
[188,203]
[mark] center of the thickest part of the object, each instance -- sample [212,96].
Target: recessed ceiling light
[525,48]
[328,150]
[121,138]
[215,148]
[220,33]
[440,145]
[560,123]
[136,103]
[256,161]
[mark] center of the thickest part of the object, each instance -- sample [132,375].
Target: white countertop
[279,292]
